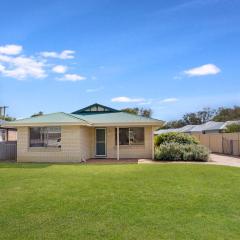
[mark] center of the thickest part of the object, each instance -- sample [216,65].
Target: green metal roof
[115,117]
[90,116]
[59,117]
[99,114]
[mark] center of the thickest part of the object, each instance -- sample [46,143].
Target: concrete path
[215,159]
[226,160]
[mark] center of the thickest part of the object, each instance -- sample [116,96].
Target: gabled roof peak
[95,108]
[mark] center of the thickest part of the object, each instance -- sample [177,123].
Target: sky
[173,56]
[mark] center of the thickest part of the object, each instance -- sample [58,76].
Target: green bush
[174,137]
[181,152]
[234,127]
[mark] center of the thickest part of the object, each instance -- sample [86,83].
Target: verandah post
[152,143]
[117,143]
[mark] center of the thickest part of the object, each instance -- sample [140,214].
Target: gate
[231,147]
[8,150]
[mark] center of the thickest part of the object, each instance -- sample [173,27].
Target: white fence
[8,150]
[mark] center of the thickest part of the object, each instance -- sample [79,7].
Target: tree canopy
[7,118]
[233,128]
[222,114]
[227,114]
[146,112]
[40,113]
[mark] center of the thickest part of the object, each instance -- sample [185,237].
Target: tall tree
[206,114]
[7,118]
[131,110]
[191,118]
[174,124]
[37,114]
[146,112]
[227,114]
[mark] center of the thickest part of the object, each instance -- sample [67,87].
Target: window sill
[44,149]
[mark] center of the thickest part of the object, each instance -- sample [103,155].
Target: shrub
[174,137]
[181,152]
[234,127]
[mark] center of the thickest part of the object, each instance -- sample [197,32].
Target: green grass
[172,201]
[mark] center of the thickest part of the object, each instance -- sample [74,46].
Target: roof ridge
[71,115]
[36,116]
[50,114]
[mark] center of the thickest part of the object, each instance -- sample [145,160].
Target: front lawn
[172,201]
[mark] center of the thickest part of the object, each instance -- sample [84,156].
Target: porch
[123,143]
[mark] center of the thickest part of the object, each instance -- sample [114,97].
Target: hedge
[181,152]
[174,137]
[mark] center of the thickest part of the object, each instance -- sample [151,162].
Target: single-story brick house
[95,131]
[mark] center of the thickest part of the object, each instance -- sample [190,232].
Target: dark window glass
[100,136]
[130,136]
[100,141]
[136,136]
[45,137]
[37,137]
[123,136]
[54,137]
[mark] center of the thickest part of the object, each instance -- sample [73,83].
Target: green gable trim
[95,108]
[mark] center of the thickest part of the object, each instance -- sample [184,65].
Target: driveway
[227,160]
[215,159]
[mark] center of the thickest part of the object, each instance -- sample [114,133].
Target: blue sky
[173,56]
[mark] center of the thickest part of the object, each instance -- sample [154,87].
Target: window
[3,134]
[136,136]
[123,136]
[130,136]
[45,137]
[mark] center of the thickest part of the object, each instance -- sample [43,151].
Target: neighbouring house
[7,133]
[95,131]
[208,127]
[185,129]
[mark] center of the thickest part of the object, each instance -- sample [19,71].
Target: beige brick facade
[77,143]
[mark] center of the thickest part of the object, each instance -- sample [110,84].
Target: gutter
[45,124]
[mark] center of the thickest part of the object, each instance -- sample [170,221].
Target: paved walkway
[227,160]
[215,159]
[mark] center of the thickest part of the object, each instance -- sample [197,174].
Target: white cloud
[90,90]
[2,68]
[170,100]
[11,49]
[66,54]
[72,78]
[207,69]
[59,69]
[21,67]
[16,65]
[127,100]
